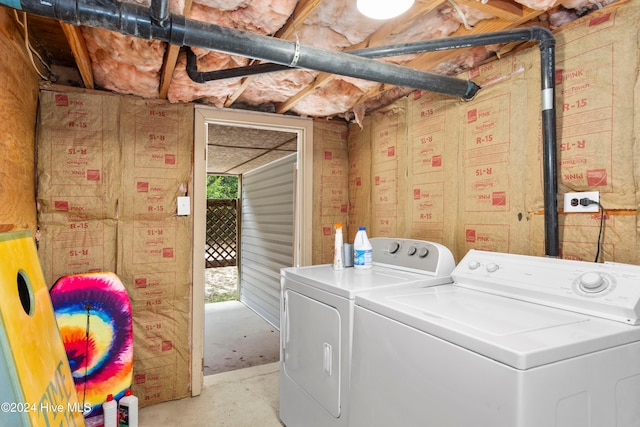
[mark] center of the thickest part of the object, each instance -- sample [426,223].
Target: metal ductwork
[156,23]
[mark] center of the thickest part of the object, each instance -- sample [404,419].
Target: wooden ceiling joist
[80,53]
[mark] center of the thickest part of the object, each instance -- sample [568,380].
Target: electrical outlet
[572,201]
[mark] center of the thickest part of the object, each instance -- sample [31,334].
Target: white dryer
[317,323]
[515,341]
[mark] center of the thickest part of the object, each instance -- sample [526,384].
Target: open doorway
[234,336]
[207,119]
[221,254]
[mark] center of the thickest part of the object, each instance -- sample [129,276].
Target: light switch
[184,205]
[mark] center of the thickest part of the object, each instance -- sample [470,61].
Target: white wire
[30,50]
[464,18]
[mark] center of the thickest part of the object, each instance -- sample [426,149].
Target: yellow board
[33,356]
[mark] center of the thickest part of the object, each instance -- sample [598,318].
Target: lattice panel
[221,232]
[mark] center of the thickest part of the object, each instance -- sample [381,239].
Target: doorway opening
[221,254]
[209,123]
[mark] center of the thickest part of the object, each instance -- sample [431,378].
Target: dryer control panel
[611,291]
[413,255]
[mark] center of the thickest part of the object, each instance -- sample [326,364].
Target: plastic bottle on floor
[362,250]
[110,411]
[128,410]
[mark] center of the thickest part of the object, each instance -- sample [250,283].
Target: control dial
[394,247]
[492,267]
[412,250]
[473,265]
[592,282]
[423,252]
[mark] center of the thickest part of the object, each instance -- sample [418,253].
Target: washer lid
[517,333]
[350,281]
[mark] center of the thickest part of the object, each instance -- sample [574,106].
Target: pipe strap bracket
[296,54]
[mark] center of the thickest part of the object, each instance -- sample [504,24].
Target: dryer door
[311,348]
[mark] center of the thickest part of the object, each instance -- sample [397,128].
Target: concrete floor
[241,375]
[236,337]
[242,398]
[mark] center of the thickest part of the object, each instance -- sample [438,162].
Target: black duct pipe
[159,12]
[523,35]
[134,20]
[228,73]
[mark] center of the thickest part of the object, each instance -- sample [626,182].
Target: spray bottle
[338,260]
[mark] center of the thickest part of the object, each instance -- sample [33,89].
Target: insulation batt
[583,5]
[572,10]
[257,16]
[331,100]
[466,60]
[561,16]
[124,64]
[132,66]
[385,98]
[322,37]
[343,18]
[277,87]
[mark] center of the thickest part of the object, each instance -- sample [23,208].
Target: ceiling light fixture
[383,9]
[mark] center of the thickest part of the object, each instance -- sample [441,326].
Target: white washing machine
[515,341]
[317,324]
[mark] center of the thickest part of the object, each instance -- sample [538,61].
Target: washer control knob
[473,265]
[394,247]
[423,252]
[492,267]
[412,250]
[592,282]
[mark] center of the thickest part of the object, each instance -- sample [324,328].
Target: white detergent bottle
[362,250]
[128,410]
[110,411]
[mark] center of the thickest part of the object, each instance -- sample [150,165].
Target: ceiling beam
[80,53]
[168,67]
[171,59]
